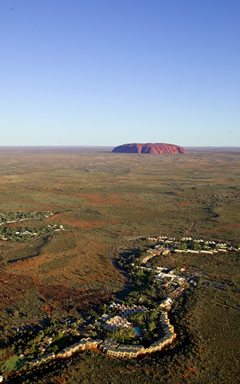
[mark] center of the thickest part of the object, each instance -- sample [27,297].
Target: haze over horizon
[76,73]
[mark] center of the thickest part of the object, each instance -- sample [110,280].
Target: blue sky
[109,72]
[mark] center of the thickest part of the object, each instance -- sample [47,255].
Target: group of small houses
[168,245]
[177,282]
[114,349]
[111,323]
[19,235]
[16,217]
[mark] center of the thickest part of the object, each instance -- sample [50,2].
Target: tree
[105,308]
[151,326]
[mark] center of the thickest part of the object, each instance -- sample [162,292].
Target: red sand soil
[87,224]
[62,279]
[12,288]
[97,198]
[66,219]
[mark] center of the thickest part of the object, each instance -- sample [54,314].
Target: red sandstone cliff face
[149,148]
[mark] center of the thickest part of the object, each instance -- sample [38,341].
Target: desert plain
[101,198]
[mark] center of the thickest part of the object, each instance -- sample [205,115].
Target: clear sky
[109,72]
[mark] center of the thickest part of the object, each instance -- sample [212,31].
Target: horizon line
[105,146]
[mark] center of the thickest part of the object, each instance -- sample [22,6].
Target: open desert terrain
[99,199]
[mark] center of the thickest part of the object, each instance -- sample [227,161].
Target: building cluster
[186,245]
[111,323]
[42,359]
[112,348]
[158,238]
[156,251]
[126,311]
[46,343]
[16,217]
[162,273]
[174,284]
[82,345]
[166,303]
[167,336]
[10,233]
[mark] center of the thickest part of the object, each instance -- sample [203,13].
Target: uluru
[149,148]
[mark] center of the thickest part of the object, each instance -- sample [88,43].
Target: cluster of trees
[148,369]
[27,340]
[23,215]
[145,289]
[25,233]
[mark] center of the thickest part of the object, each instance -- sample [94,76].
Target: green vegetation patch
[216,320]
[18,216]
[58,345]
[26,234]
[14,363]
[194,195]
[60,243]
[57,262]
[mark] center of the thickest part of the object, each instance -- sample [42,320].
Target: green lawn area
[14,363]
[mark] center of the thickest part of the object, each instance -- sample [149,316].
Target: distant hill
[149,148]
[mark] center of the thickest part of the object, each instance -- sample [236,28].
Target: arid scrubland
[100,199]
